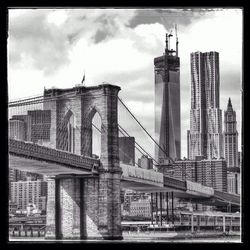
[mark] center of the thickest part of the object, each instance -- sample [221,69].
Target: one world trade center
[167,104]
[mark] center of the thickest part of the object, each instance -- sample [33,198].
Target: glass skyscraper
[167,104]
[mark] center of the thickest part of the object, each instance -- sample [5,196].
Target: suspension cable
[119,148]
[127,134]
[144,128]
[135,142]
[26,99]
[96,128]
[41,99]
[124,135]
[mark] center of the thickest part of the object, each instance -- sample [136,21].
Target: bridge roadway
[31,157]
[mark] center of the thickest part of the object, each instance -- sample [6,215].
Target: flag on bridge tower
[83,79]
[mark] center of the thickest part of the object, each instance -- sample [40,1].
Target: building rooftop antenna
[177,42]
[166,48]
[171,51]
[169,35]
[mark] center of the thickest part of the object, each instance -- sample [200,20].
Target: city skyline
[135,37]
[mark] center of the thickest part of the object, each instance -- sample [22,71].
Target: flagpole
[83,79]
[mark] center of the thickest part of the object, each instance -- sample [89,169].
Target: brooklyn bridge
[83,198]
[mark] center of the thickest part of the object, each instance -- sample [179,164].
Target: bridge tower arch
[96,135]
[93,202]
[66,132]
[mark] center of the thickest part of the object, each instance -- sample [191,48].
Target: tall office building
[239,159]
[127,150]
[234,182]
[31,127]
[182,170]
[36,125]
[167,104]
[230,136]
[40,124]
[27,124]
[17,129]
[25,192]
[205,135]
[211,173]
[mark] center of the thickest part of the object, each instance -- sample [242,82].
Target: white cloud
[23,83]
[57,17]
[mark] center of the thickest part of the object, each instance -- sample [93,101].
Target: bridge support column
[156,212]
[192,223]
[70,216]
[109,205]
[167,207]
[63,208]
[198,217]
[172,208]
[151,208]
[90,208]
[231,223]
[224,224]
[50,232]
[161,208]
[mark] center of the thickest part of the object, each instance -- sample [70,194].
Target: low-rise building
[145,162]
[132,196]
[140,208]
[12,207]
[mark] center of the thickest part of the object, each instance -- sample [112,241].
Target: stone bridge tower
[84,206]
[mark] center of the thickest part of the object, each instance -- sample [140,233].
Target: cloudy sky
[54,47]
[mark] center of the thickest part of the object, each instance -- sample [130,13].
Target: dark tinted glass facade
[167,107]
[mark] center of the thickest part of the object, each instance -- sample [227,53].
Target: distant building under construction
[167,104]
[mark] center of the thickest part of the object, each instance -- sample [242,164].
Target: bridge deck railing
[32,150]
